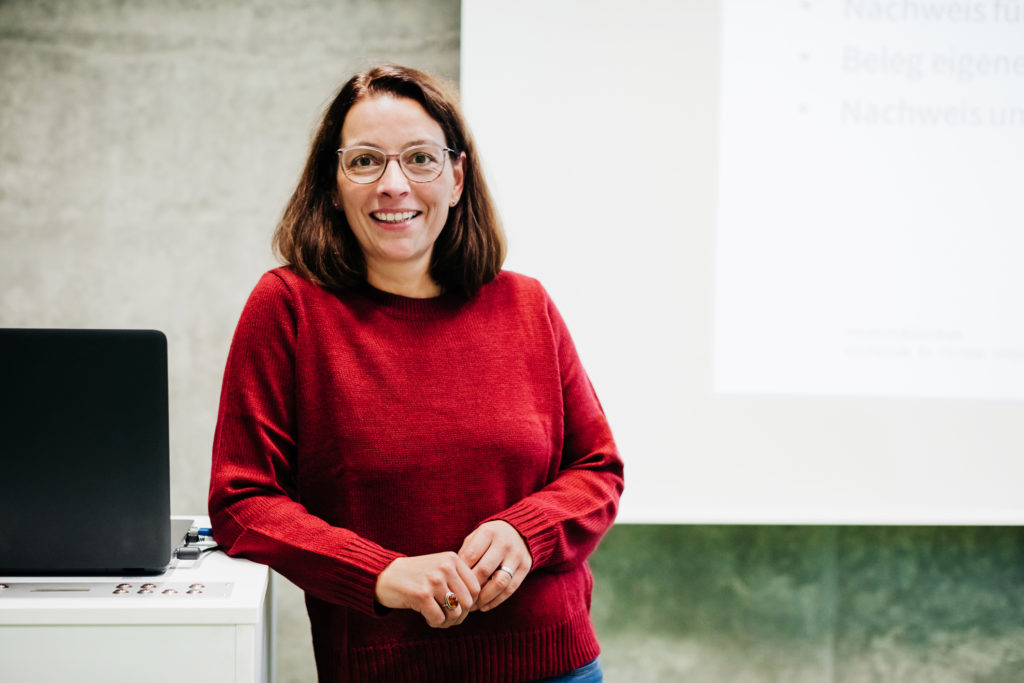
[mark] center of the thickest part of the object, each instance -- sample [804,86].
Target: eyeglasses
[419,163]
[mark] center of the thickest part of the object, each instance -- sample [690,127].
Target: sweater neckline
[409,308]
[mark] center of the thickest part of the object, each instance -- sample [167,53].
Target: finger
[433,612]
[501,585]
[474,547]
[519,565]
[458,616]
[504,595]
[481,551]
[470,579]
[499,545]
[451,607]
[490,558]
[448,593]
[461,590]
[464,601]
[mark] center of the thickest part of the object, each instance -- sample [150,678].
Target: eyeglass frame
[387,160]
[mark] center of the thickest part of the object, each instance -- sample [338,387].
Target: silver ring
[511,572]
[451,601]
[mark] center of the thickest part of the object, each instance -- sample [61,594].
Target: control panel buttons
[150,591]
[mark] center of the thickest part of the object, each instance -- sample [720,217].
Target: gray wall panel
[146,151]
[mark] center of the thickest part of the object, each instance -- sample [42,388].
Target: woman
[405,430]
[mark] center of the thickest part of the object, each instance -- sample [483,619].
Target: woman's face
[395,220]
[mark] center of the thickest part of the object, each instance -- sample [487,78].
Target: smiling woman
[405,430]
[319,236]
[395,217]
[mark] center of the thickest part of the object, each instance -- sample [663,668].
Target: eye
[364,161]
[420,157]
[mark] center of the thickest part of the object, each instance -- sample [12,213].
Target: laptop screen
[84,486]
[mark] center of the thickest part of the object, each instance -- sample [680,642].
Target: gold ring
[451,601]
[511,572]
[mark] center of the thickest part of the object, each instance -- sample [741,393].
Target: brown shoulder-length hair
[314,237]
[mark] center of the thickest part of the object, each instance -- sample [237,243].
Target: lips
[394,216]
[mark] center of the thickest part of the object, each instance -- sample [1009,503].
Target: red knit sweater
[355,429]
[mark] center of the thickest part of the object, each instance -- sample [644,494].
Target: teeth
[394,217]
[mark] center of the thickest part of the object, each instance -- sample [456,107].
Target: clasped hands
[488,568]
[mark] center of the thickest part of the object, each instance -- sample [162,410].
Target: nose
[393,182]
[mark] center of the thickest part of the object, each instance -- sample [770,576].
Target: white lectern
[205,620]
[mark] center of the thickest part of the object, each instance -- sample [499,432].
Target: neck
[402,281]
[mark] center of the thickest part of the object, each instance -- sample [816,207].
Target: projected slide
[870,235]
[787,236]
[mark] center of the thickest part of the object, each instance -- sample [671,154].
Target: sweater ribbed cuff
[535,527]
[355,577]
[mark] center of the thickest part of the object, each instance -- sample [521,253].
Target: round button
[197,585]
[170,591]
[124,585]
[149,585]
[145,591]
[120,591]
[194,591]
[4,586]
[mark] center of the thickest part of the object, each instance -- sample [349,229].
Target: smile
[399,217]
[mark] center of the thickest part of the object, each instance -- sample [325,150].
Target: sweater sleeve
[253,503]
[564,521]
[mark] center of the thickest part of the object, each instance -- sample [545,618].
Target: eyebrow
[411,143]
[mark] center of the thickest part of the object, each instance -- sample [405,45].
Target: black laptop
[84,477]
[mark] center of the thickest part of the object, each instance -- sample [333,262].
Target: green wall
[811,603]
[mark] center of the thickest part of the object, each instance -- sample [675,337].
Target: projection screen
[787,238]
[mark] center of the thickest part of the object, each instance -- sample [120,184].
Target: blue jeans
[588,673]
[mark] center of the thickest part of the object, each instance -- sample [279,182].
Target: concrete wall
[146,151]
[147,148]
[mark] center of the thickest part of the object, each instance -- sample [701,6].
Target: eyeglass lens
[421,163]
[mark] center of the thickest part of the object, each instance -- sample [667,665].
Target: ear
[459,173]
